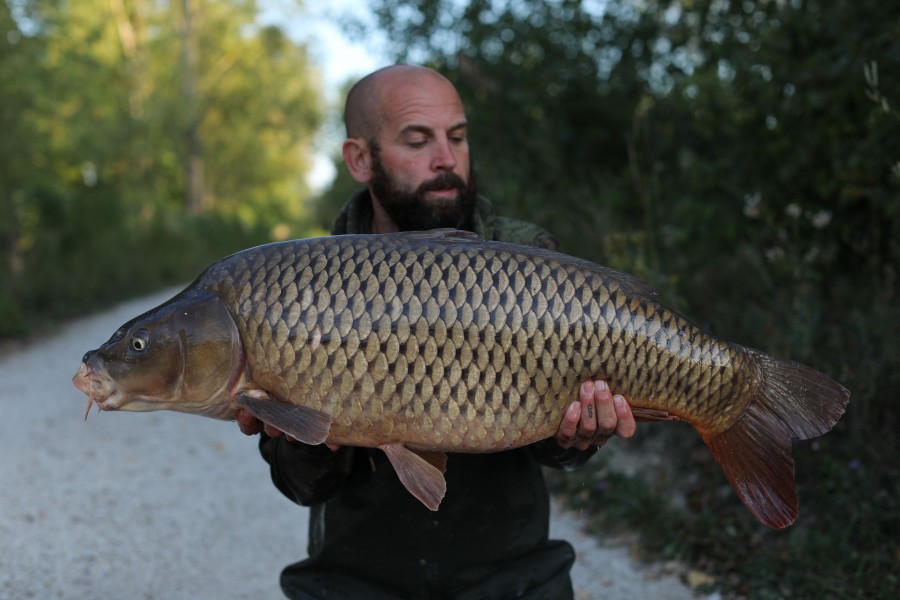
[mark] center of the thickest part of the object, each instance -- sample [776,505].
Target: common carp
[422,343]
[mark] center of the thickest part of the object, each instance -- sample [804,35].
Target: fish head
[184,355]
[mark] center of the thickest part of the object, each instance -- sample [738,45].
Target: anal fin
[420,472]
[436,458]
[306,424]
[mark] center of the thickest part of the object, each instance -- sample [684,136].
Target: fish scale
[483,296]
[424,342]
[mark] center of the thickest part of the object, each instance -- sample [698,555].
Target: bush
[89,253]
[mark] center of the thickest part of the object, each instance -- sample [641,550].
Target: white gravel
[168,506]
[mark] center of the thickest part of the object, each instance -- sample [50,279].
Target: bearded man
[368,537]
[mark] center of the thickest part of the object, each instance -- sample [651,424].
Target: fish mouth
[98,386]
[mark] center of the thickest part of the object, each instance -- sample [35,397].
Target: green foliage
[830,552]
[76,265]
[745,158]
[142,140]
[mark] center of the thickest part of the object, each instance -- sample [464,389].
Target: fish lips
[93,379]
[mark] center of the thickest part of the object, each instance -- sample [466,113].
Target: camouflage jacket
[356,217]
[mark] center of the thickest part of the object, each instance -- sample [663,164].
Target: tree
[744,157]
[114,110]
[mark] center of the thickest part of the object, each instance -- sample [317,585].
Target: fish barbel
[420,343]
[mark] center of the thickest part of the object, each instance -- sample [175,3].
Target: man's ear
[358,159]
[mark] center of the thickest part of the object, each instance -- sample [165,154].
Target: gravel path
[168,506]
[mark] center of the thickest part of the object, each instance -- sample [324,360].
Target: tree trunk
[195,185]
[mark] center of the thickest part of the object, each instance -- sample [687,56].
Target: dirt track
[164,505]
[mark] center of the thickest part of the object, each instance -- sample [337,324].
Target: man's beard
[412,211]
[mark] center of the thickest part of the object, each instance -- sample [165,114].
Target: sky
[340,59]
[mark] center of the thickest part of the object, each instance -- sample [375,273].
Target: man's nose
[444,158]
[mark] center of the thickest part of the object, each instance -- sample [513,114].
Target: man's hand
[595,417]
[249,424]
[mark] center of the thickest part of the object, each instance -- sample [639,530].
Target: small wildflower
[854,464]
[89,174]
[821,219]
[793,210]
[774,254]
[753,205]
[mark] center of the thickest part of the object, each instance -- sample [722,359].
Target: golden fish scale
[463,346]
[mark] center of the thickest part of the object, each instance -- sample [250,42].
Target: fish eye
[140,340]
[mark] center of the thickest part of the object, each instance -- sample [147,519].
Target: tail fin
[793,402]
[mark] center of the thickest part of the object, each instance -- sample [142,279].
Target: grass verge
[843,545]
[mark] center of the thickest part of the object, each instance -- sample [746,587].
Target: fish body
[421,343]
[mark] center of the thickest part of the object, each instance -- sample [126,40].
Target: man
[368,537]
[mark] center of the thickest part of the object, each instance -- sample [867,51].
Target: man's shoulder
[507,229]
[356,214]
[491,226]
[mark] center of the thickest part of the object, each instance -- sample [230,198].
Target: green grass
[844,544]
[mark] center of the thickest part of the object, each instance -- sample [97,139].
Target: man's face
[417,209]
[420,170]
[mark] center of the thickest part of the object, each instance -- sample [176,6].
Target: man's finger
[587,426]
[272,431]
[625,425]
[567,429]
[607,417]
[248,424]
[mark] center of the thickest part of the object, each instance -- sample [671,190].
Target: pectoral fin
[422,472]
[306,424]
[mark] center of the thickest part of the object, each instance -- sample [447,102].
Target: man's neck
[381,222]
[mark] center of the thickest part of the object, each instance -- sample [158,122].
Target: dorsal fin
[445,234]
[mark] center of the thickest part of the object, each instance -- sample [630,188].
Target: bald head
[407,140]
[365,112]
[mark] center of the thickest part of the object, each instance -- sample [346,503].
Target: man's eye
[417,143]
